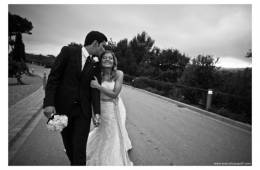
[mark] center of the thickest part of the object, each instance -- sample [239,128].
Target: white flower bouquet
[57,123]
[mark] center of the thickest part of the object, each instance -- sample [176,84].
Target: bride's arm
[117,88]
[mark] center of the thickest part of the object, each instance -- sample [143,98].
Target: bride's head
[109,63]
[109,60]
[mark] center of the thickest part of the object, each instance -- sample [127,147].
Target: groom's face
[99,48]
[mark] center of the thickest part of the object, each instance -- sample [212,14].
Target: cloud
[219,30]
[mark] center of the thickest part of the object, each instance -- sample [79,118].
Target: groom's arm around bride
[95,95]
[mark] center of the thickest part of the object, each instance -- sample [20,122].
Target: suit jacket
[68,85]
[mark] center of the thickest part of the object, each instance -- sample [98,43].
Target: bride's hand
[94,83]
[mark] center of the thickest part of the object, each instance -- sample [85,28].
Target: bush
[223,111]
[176,94]
[128,78]
[243,117]
[225,105]
[16,68]
[152,90]
[144,82]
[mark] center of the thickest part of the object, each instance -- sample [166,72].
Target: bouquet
[57,123]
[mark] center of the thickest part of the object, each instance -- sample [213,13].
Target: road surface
[162,133]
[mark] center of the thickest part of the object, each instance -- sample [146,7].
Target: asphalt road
[162,133]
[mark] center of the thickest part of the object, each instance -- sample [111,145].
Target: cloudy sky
[220,30]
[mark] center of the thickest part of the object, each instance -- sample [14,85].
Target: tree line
[173,74]
[167,72]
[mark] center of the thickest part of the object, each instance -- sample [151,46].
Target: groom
[68,92]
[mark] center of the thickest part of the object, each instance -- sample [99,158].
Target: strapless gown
[108,144]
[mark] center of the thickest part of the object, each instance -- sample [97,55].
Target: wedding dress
[108,144]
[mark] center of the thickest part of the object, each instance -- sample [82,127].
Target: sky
[223,31]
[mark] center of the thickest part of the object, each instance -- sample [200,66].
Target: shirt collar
[85,52]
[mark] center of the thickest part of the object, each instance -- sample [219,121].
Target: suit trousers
[75,136]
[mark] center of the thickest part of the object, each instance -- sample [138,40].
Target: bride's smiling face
[107,60]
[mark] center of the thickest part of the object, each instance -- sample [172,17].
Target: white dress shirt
[84,57]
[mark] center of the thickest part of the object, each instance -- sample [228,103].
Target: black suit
[68,89]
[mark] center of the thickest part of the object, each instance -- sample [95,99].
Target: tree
[171,62]
[17,26]
[74,44]
[111,45]
[121,48]
[120,52]
[126,59]
[141,45]
[200,74]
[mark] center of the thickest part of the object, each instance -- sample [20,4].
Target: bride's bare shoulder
[119,73]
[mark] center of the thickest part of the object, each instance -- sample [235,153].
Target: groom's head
[94,42]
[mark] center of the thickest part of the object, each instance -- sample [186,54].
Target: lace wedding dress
[109,142]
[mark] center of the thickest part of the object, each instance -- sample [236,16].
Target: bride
[108,144]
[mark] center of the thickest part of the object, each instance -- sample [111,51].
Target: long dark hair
[114,67]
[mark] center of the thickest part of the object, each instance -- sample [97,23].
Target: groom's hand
[94,83]
[49,111]
[96,120]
